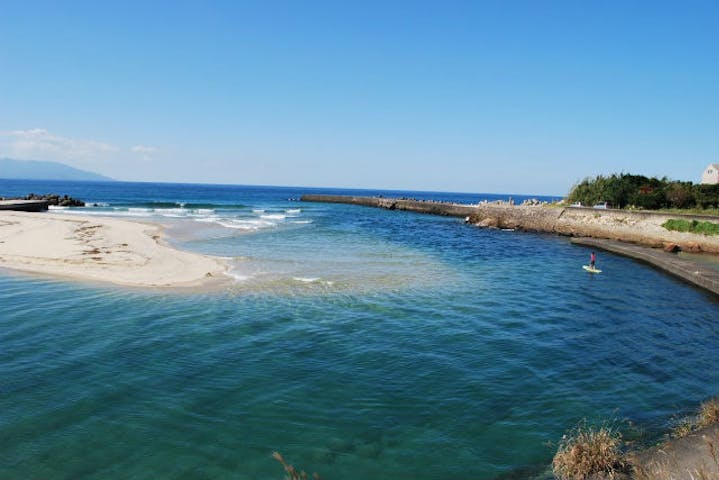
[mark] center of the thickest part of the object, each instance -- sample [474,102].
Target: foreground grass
[290,471]
[692,226]
[587,451]
[708,414]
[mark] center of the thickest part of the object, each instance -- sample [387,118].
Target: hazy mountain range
[39,170]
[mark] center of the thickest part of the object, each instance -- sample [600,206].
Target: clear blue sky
[506,96]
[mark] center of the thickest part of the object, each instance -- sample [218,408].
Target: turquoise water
[360,343]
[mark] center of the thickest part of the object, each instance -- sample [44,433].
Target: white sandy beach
[100,249]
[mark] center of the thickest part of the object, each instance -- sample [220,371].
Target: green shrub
[692,226]
[627,190]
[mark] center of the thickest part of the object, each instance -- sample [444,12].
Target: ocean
[358,342]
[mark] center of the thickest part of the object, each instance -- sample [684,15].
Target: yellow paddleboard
[590,269]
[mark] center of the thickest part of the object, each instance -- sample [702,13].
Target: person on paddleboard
[592,259]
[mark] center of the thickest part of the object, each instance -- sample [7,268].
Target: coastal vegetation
[587,451]
[692,226]
[637,191]
[590,451]
[707,414]
[291,472]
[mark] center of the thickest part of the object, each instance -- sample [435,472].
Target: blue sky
[505,96]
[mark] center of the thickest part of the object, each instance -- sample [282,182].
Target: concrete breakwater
[692,272]
[643,228]
[24,205]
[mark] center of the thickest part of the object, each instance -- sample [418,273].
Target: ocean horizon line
[284,187]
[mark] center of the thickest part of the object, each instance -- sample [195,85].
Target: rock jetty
[56,200]
[608,229]
[38,203]
[640,227]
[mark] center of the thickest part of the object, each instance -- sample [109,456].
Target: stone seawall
[643,228]
[24,205]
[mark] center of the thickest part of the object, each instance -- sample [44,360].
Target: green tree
[679,195]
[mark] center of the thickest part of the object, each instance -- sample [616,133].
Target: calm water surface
[358,342]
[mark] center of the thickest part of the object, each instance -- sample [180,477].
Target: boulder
[55,199]
[692,247]
[489,222]
[670,247]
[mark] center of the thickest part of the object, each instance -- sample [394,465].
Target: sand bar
[100,249]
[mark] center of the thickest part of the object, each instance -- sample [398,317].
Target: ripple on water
[428,356]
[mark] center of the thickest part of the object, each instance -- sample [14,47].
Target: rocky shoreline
[56,200]
[639,227]
[50,199]
[614,230]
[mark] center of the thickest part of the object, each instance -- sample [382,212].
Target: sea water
[358,342]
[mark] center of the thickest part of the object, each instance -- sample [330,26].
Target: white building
[711,174]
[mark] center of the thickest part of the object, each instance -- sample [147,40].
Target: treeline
[637,191]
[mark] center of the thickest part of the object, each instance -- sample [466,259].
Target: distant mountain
[37,170]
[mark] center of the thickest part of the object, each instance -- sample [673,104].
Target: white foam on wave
[306,279]
[170,211]
[240,224]
[239,277]
[273,216]
[210,219]
[301,222]
[313,280]
[257,210]
[248,224]
[293,211]
[57,207]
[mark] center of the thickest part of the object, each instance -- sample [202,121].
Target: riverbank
[101,249]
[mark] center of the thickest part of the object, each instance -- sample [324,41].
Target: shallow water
[358,343]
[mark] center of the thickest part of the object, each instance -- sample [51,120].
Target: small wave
[56,207]
[239,277]
[313,280]
[215,206]
[149,205]
[170,211]
[258,210]
[183,205]
[207,219]
[306,279]
[293,210]
[241,224]
[302,222]
[273,216]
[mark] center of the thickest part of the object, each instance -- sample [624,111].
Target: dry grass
[707,414]
[670,467]
[587,451]
[292,473]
